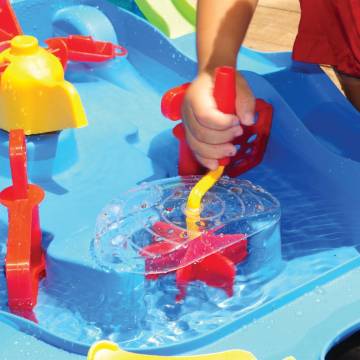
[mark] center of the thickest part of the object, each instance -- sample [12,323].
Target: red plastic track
[25,262]
[83,48]
[9,26]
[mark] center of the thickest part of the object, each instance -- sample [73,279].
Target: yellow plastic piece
[34,95]
[193,206]
[106,350]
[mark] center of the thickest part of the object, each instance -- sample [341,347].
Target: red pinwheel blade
[209,258]
[168,231]
[215,270]
[9,26]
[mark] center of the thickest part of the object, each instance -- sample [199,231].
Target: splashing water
[155,319]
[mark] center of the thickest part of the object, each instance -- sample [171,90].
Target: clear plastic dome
[144,230]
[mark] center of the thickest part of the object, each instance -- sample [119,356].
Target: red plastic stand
[25,262]
[9,26]
[83,48]
[252,144]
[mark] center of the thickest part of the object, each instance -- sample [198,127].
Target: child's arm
[221,28]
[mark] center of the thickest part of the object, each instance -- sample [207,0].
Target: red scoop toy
[252,144]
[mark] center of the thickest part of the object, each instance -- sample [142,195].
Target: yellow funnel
[106,350]
[33,93]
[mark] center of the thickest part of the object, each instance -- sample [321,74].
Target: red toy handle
[225,94]
[252,144]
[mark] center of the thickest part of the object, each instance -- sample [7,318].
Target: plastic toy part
[224,80]
[25,262]
[193,206]
[187,8]
[84,48]
[251,145]
[216,269]
[34,95]
[9,26]
[106,350]
[59,48]
[146,232]
[4,45]
[224,94]
[165,15]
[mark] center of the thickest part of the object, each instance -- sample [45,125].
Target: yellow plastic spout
[106,350]
[34,95]
[193,206]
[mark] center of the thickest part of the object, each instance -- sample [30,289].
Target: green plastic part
[166,17]
[187,8]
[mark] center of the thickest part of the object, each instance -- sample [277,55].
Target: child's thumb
[245,102]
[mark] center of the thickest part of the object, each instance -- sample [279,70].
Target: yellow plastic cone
[34,95]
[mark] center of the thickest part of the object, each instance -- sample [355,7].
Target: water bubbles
[118,240]
[93,332]
[236,190]
[178,194]
[144,205]
[319,290]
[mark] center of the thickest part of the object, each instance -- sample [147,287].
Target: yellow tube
[193,206]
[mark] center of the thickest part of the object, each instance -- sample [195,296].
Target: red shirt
[329,33]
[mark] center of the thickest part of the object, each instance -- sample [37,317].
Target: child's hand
[210,132]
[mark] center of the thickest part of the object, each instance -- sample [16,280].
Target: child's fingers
[202,102]
[212,118]
[245,102]
[209,151]
[210,164]
[206,135]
